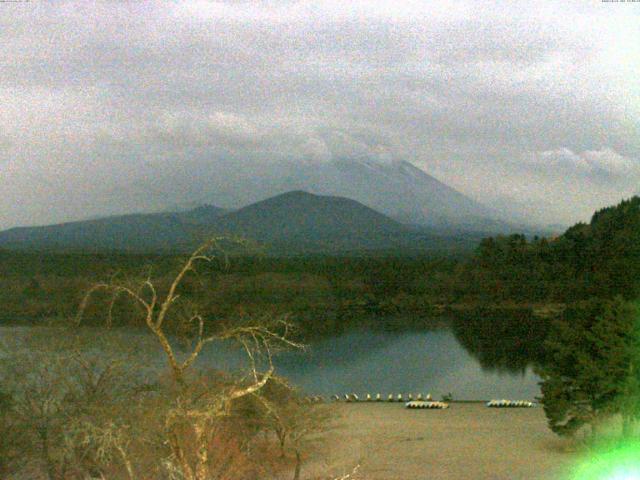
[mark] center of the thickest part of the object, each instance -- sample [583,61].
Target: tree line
[600,259]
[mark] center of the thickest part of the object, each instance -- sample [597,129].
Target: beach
[467,441]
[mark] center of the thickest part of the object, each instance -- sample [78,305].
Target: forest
[600,259]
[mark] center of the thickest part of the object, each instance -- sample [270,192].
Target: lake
[396,362]
[365,361]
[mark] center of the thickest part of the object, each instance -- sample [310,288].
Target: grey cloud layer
[115,107]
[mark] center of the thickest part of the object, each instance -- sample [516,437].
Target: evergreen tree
[593,365]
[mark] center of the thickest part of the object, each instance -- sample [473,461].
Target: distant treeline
[328,294]
[596,260]
[324,294]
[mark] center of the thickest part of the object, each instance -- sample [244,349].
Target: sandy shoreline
[467,441]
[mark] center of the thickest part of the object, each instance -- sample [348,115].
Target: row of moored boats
[352,397]
[509,404]
[419,401]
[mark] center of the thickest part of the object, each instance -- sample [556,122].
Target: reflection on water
[478,358]
[411,362]
[506,341]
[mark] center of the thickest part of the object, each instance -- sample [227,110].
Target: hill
[137,232]
[303,216]
[290,223]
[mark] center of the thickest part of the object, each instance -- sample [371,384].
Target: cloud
[207,129]
[130,97]
[605,162]
[611,162]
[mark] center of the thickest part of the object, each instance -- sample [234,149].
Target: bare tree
[54,382]
[196,414]
[10,438]
[107,444]
[296,423]
[94,401]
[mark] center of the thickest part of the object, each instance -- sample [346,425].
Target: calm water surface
[410,362]
[368,362]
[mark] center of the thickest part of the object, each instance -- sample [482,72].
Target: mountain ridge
[294,221]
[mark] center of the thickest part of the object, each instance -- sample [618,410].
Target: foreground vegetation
[91,404]
[72,410]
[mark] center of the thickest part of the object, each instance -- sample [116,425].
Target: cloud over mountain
[112,106]
[605,163]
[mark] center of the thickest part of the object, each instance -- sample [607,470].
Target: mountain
[297,222]
[136,232]
[300,222]
[397,189]
[290,223]
[401,191]
[303,216]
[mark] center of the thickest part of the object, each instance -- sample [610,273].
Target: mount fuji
[397,189]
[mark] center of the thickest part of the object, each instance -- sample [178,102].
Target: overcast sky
[127,106]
